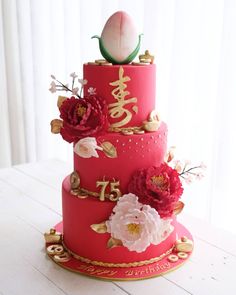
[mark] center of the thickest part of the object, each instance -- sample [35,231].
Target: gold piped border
[123,265]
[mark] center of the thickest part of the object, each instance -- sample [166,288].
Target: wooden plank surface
[30,203]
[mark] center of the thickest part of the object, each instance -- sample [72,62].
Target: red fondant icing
[133,152]
[142,85]
[80,214]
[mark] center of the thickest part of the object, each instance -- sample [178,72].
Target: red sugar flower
[159,187]
[83,117]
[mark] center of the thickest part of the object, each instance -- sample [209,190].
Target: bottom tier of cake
[80,239]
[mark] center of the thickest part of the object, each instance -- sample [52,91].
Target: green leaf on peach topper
[111,59]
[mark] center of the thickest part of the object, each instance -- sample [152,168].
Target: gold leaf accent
[112,242]
[99,228]
[56,125]
[60,100]
[179,206]
[109,149]
[74,180]
[151,126]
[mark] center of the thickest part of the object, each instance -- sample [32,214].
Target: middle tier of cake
[133,152]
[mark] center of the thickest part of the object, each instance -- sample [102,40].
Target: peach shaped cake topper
[119,42]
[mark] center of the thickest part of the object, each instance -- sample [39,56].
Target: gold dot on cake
[173,258]
[182,255]
[136,142]
[123,144]
[141,139]
[156,141]
[142,146]
[159,135]
[152,137]
[130,140]
[117,140]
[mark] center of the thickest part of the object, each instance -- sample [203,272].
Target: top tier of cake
[129,91]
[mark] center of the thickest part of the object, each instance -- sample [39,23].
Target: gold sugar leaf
[60,100]
[112,242]
[56,125]
[179,206]
[99,228]
[109,149]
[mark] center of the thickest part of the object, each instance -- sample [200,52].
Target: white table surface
[30,203]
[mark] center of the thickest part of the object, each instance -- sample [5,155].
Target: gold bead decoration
[55,249]
[139,131]
[173,258]
[139,63]
[64,257]
[182,255]
[127,132]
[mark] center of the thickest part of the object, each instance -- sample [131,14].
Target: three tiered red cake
[120,202]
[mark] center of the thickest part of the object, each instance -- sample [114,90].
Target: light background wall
[194,42]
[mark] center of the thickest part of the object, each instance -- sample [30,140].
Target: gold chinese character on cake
[118,109]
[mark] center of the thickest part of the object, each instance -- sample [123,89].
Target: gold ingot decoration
[55,249]
[153,122]
[64,257]
[185,246]
[154,116]
[56,125]
[151,126]
[146,57]
[173,258]
[52,236]
[182,255]
[112,242]
[109,149]
[179,206]
[60,100]
[99,228]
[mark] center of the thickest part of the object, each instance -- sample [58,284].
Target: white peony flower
[86,147]
[137,225]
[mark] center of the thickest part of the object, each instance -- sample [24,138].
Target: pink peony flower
[86,147]
[159,187]
[137,225]
[83,117]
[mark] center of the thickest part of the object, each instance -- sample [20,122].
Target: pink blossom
[83,81]
[73,75]
[75,90]
[53,88]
